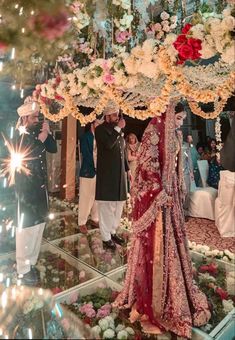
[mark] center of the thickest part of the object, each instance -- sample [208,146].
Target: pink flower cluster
[122,36]
[88,310]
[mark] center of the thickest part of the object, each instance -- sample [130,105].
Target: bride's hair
[179,108]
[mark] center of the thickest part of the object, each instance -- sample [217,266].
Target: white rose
[149,45]
[230,283]
[198,31]
[96,330]
[228,56]
[164,15]
[122,335]
[207,51]
[166,28]
[227,305]
[149,70]
[103,324]
[226,12]
[119,327]
[228,23]
[126,4]
[173,19]
[130,330]
[131,65]
[170,39]
[108,334]
[126,21]
[229,254]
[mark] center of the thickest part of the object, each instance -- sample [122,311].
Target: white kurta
[87,204]
[110,213]
[28,244]
[225,204]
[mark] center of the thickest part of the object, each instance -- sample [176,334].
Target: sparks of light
[1,277]
[21,222]
[13,87]
[4,182]
[51,216]
[13,231]
[1,65]
[16,162]
[22,130]
[12,132]
[4,299]
[30,333]
[13,293]
[8,281]
[22,29]
[40,291]
[1,332]
[0,228]
[22,93]
[9,225]
[13,52]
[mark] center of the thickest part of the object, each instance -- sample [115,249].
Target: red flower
[186,52]
[211,268]
[181,40]
[222,293]
[186,28]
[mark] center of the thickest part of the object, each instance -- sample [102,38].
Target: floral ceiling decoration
[142,81]
[139,53]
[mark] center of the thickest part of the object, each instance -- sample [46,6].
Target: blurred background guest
[214,172]
[132,146]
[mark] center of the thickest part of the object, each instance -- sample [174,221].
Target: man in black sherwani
[111,178]
[31,189]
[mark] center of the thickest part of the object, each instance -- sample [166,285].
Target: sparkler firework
[16,162]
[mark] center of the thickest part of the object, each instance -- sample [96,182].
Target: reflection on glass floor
[81,275]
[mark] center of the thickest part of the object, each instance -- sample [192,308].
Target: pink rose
[90,313]
[108,79]
[122,36]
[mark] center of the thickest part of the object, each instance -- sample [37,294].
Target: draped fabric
[159,283]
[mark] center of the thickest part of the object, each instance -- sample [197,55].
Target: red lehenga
[159,281]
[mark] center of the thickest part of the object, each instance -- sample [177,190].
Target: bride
[159,283]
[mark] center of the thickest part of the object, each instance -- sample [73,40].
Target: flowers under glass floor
[84,280]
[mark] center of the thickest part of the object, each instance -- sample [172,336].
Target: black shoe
[36,272]
[29,279]
[109,244]
[117,239]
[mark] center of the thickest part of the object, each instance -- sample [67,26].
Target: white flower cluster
[216,36]
[225,255]
[125,4]
[140,67]
[80,19]
[106,327]
[218,138]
